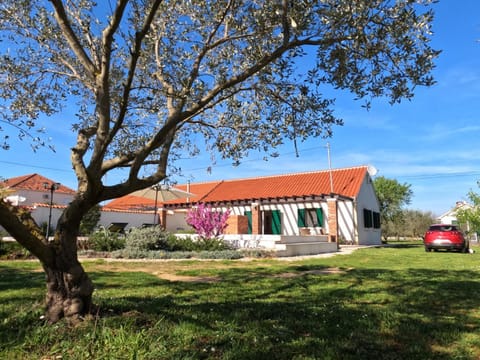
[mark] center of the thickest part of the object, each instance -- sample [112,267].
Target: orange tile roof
[346,182]
[129,202]
[198,190]
[33,182]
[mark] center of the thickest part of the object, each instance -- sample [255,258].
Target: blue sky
[429,142]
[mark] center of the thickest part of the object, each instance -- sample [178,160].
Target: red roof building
[35,188]
[346,183]
[339,202]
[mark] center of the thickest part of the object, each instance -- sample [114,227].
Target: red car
[445,236]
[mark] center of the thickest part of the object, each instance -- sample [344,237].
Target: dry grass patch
[171,270]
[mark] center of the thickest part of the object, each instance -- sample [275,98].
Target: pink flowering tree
[207,222]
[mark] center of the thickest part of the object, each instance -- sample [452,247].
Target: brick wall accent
[256,219]
[237,224]
[163,218]
[332,219]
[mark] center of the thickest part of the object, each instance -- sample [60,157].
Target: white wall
[40,215]
[176,221]
[346,221]
[289,215]
[367,199]
[133,219]
[43,197]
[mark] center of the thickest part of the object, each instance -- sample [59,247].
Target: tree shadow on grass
[362,314]
[378,314]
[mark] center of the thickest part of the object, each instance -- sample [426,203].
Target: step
[305,248]
[303,239]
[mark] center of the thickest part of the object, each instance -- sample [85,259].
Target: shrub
[258,253]
[105,240]
[13,250]
[161,254]
[181,243]
[212,244]
[147,239]
[130,253]
[90,220]
[225,254]
[155,243]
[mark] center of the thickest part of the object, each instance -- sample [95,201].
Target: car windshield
[443,228]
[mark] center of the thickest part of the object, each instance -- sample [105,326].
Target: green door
[248,214]
[276,222]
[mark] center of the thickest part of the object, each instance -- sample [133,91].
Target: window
[371,219]
[310,217]
[376,220]
[117,227]
[367,218]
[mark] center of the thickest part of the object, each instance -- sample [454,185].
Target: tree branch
[19,223]
[73,41]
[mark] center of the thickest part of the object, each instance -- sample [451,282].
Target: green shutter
[276,222]
[301,217]
[319,217]
[248,214]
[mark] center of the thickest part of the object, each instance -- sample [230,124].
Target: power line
[34,166]
[414,177]
[441,175]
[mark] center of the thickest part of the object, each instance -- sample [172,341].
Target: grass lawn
[377,303]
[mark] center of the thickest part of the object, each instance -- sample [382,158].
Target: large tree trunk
[69,290]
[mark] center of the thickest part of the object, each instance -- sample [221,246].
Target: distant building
[450,217]
[35,189]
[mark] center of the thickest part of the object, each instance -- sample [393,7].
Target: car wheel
[427,249]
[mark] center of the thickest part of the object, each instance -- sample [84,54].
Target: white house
[450,217]
[337,205]
[42,195]
[47,199]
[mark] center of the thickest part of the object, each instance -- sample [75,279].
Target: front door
[272,222]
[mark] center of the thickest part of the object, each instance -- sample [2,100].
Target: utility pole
[330,168]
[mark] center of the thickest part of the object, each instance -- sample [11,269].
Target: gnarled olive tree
[151,77]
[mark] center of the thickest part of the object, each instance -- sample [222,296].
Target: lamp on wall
[52,187]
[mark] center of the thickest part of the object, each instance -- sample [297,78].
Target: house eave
[264,200]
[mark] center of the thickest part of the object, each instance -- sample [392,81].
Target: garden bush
[155,243]
[154,238]
[105,240]
[220,254]
[167,255]
[212,244]
[190,244]
[147,239]
[175,243]
[13,250]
